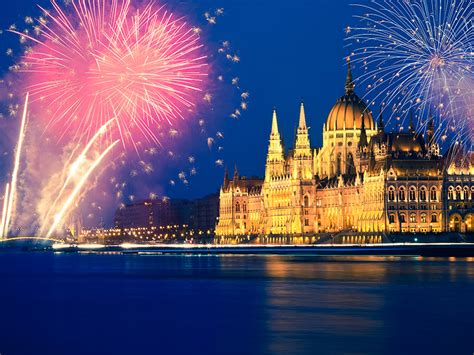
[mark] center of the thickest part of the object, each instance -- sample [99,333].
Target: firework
[4,211]
[419,55]
[77,189]
[74,168]
[99,59]
[10,191]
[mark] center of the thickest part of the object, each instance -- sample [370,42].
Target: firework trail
[73,168]
[98,59]
[417,55]
[11,196]
[77,189]
[4,210]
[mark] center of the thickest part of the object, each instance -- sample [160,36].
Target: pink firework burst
[100,59]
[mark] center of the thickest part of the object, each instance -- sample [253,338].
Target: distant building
[156,213]
[362,184]
[158,221]
[204,213]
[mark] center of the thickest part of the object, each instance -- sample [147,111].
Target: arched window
[401,194]
[306,201]
[450,193]
[391,193]
[466,193]
[412,217]
[402,218]
[237,207]
[423,193]
[244,207]
[423,218]
[433,194]
[412,193]
[339,164]
[434,218]
[350,166]
[331,163]
[391,218]
[458,193]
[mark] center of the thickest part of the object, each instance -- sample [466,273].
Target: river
[73,303]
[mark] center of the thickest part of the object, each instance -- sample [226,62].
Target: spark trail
[11,196]
[77,189]
[417,55]
[76,165]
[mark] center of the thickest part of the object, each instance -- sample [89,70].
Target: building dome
[348,110]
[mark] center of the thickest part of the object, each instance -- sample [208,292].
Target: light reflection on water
[235,304]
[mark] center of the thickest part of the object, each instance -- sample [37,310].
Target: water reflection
[235,304]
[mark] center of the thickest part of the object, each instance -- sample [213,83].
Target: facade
[156,213]
[362,184]
[167,221]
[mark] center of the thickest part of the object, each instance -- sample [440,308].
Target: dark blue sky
[290,50]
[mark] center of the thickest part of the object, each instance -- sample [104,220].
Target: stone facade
[362,180]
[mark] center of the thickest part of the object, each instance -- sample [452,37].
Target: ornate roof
[348,110]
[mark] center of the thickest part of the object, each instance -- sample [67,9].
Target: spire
[274,124]
[431,123]
[226,177]
[302,144]
[349,81]
[381,125]
[411,126]
[302,122]
[363,134]
[430,130]
[236,173]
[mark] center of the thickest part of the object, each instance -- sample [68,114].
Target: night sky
[290,50]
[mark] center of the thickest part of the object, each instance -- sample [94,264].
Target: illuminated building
[363,184]
[160,221]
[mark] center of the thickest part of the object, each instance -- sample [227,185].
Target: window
[423,194]
[306,201]
[413,218]
[423,218]
[244,207]
[350,166]
[433,194]
[412,194]
[391,194]
[391,218]
[237,207]
[306,222]
[434,218]
[401,194]
[339,164]
[402,218]
[458,194]
[450,193]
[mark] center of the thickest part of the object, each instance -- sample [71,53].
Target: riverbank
[393,249]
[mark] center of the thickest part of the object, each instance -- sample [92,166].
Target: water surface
[135,304]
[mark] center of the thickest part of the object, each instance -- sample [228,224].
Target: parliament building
[363,184]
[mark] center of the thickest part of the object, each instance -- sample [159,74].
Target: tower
[302,154]
[275,158]
[432,145]
[411,125]
[226,178]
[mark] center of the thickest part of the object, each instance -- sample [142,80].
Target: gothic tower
[275,165]
[302,154]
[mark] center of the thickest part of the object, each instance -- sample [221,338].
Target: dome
[348,110]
